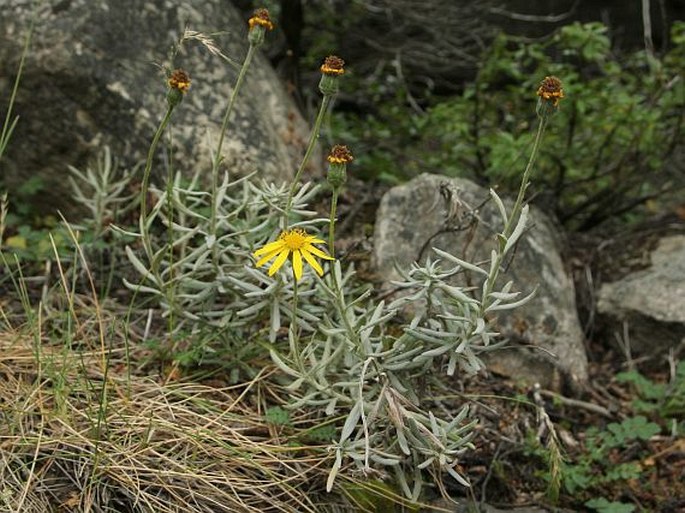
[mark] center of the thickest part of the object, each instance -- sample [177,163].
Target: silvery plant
[199,251]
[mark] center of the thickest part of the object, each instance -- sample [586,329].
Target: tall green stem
[231,103]
[307,155]
[518,204]
[511,223]
[144,232]
[222,135]
[331,223]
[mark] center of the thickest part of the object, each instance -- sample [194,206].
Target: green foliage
[597,465]
[606,153]
[604,157]
[666,401]
[594,467]
[278,416]
[604,506]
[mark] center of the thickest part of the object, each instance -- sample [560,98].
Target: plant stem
[146,180]
[213,220]
[331,223]
[229,110]
[511,223]
[307,155]
[518,204]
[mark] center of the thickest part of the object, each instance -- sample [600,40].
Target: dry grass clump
[75,437]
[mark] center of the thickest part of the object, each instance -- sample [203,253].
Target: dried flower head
[338,158]
[331,70]
[179,80]
[333,66]
[261,18]
[259,24]
[550,90]
[179,84]
[340,154]
[297,245]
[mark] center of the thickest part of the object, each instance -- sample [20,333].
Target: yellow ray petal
[297,264]
[312,261]
[282,257]
[270,247]
[316,251]
[269,256]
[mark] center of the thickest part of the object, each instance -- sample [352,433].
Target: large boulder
[546,341]
[650,303]
[92,77]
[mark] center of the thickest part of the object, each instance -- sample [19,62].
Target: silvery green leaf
[351,422]
[141,288]
[334,470]
[518,231]
[426,463]
[500,205]
[505,296]
[509,306]
[458,419]
[291,387]
[338,271]
[402,440]
[460,262]
[493,263]
[275,319]
[401,478]
[252,309]
[426,338]
[210,240]
[388,461]
[330,407]
[438,351]
[452,364]
[118,229]
[281,364]
[434,424]
[480,326]
[456,293]
[138,265]
[461,480]
[396,383]
[418,485]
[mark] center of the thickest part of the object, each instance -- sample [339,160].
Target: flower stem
[310,148]
[331,223]
[295,336]
[518,204]
[511,223]
[144,232]
[231,103]
[222,135]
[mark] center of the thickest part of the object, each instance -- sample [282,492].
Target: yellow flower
[295,242]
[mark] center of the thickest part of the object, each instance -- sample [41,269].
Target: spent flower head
[179,84]
[295,244]
[549,94]
[338,158]
[259,24]
[332,69]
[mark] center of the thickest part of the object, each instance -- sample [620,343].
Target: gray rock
[92,78]
[651,301]
[545,335]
